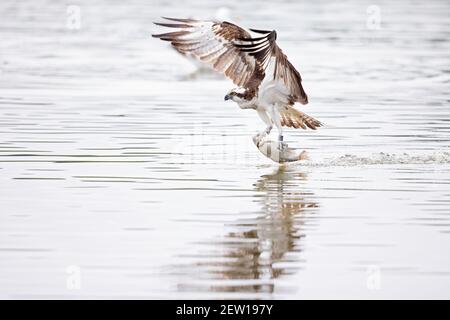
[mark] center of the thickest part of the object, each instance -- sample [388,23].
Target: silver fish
[271,150]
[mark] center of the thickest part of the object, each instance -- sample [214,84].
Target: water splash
[382,158]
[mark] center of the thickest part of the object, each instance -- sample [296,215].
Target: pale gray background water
[124,174]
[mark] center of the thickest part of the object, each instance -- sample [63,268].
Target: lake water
[124,174]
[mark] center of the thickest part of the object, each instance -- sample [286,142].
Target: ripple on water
[137,171]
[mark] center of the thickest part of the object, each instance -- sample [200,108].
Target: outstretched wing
[276,65]
[231,50]
[215,44]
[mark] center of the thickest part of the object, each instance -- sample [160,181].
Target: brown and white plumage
[213,43]
[267,81]
[291,117]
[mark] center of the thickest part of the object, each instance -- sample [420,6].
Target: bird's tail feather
[291,117]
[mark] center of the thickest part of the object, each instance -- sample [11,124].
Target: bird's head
[236,95]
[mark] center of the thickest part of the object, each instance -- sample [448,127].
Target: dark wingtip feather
[173,25]
[160,35]
[179,20]
[273,35]
[260,31]
[171,35]
[254,39]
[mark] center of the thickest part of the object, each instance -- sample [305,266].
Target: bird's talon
[262,135]
[282,145]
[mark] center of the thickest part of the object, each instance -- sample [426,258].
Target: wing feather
[291,117]
[263,49]
[215,44]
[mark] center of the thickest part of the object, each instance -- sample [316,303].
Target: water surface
[122,166]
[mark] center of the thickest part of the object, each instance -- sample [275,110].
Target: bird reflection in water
[255,252]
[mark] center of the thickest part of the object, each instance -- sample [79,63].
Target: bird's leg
[281,143]
[263,115]
[267,130]
[276,119]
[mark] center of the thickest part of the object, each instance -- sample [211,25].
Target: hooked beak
[227,97]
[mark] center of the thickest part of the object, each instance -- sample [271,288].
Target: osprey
[267,82]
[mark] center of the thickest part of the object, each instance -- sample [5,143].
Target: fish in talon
[271,150]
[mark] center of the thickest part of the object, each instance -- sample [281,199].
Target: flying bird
[266,81]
